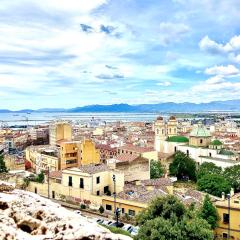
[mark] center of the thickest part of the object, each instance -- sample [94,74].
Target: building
[200,146]
[134,167]
[145,152]
[89,153]
[81,185]
[59,131]
[229,221]
[66,154]
[163,130]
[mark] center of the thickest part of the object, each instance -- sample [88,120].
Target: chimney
[223,196]
[232,192]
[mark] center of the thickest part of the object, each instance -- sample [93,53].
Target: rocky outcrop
[27,216]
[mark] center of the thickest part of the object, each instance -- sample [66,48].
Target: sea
[36,118]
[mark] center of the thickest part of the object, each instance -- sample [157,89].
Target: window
[81,183]
[123,210]
[108,207]
[224,235]
[97,180]
[188,152]
[35,190]
[210,154]
[106,189]
[131,212]
[53,194]
[70,181]
[175,149]
[225,218]
[201,141]
[98,193]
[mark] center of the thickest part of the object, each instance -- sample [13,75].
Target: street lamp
[228,197]
[116,213]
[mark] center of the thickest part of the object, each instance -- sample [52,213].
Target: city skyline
[75,53]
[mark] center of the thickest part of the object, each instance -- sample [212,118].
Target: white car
[78,212]
[134,231]
[127,228]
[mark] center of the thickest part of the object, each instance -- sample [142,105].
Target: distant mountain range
[230,105]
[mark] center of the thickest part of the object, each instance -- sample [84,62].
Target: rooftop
[136,148]
[91,168]
[200,131]
[216,142]
[179,139]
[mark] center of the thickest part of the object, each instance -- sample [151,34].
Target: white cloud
[228,70]
[166,84]
[172,32]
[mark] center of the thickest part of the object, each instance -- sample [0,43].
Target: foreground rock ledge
[27,216]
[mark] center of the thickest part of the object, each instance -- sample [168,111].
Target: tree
[208,168]
[167,218]
[214,184]
[232,174]
[101,209]
[156,169]
[164,207]
[183,166]
[209,212]
[3,167]
[40,177]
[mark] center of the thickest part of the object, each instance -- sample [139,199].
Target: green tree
[214,184]
[167,218]
[156,169]
[165,207]
[101,209]
[209,212]
[208,168]
[183,166]
[3,167]
[232,174]
[40,177]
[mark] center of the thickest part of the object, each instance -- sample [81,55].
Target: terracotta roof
[55,174]
[139,193]
[105,147]
[93,168]
[157,182]
[126,157]
[136,148]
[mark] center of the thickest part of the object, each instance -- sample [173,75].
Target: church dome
[216,142]
[159,118]
[172,118]
[178,139]
[200,131]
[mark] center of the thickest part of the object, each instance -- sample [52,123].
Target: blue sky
[68,53]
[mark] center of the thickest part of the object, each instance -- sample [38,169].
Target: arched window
[201,141]
[188,152]
[175,149]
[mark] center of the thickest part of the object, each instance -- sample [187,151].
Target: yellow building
[84,185]
[229,222]
[66,155]
[60,131]
[70,154]
[89,153]
[43,157]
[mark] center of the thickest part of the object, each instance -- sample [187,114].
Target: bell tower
[160,133]
[172,127]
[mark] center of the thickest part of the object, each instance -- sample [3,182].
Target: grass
[117,230]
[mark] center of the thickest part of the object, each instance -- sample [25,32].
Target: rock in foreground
[25,215]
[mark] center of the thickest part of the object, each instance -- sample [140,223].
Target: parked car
[127,228]
[119,225]
[107,223]
[99,220]
[78,212]
[134,231]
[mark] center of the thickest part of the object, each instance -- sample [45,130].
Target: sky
[69,53]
